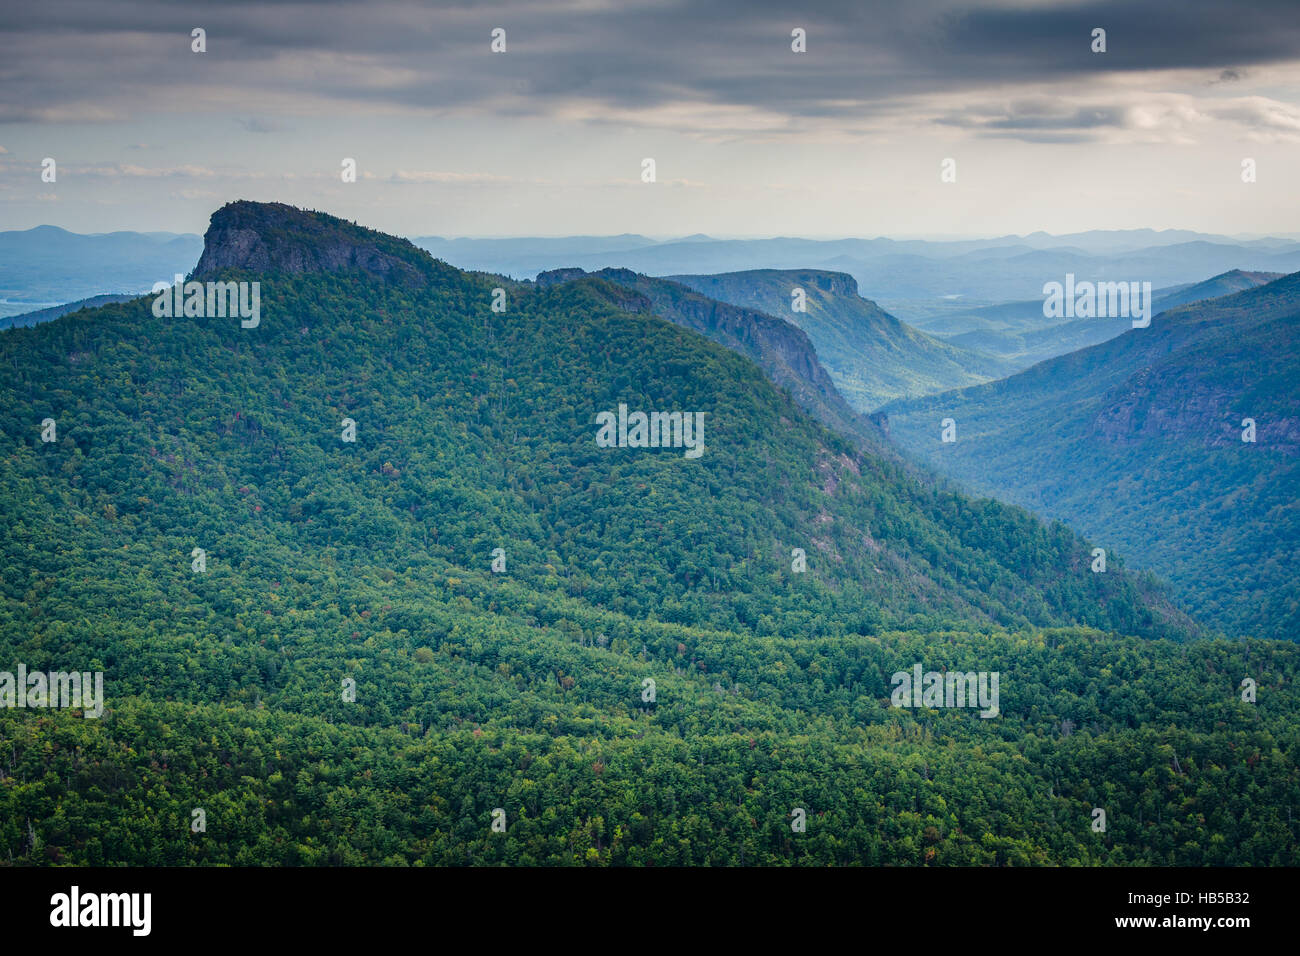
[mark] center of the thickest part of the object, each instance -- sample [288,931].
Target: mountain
[1018,333]
[1138,443]
[280,239]
[47,265]
[1229,282]
[349,671]
[46,315]
[871,356]
[781,350]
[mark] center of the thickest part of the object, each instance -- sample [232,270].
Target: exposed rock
[274,237]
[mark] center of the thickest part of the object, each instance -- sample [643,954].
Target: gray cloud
[64,60]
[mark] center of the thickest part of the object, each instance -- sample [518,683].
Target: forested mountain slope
[371,562]
[1138,442]
[783,351]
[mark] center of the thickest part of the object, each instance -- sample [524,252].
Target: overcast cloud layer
[748,137]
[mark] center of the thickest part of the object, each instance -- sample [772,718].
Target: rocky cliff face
[554,277]
[273,237]
[832,283]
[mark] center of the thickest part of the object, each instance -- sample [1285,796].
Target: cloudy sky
[748,137]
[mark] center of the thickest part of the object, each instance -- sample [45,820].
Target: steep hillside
[780,349]
[871,356]
[1155,418]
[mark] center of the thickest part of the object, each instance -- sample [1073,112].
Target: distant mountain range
[49,266]
[912,279]
[845,346]
[1018,333]
[1138,443]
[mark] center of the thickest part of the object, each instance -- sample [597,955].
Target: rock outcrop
[274,237]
